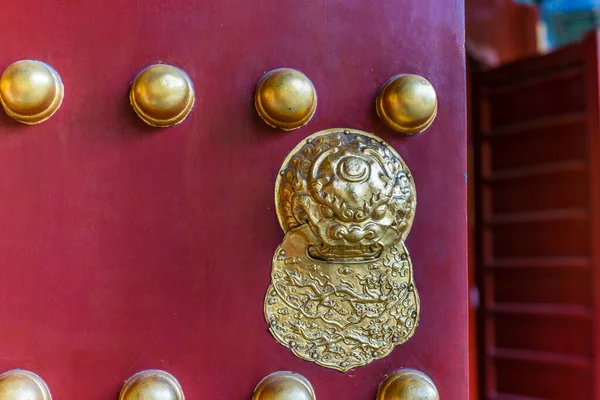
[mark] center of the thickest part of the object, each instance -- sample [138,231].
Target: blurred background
[534,185]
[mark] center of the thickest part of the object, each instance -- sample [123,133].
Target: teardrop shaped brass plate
[342,292]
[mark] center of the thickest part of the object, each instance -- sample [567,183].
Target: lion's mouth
[345,253]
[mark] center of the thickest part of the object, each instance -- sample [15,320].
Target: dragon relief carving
[342,292]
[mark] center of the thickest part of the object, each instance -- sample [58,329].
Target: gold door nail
[23,385]
[30,91]
[152,385]
[407,104]
[162,95]
[408,384]
[285,99]
[284,385]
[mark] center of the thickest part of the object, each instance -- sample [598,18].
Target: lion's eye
[327,212]
[379,212]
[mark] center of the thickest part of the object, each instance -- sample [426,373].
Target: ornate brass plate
[342,292]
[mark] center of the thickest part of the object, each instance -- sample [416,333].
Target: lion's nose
[355,234]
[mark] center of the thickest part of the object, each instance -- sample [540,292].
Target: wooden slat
[565,58]
[569,71]
[536,216]
[507,396]
[541,357]
[533,125]
[539,262]
[551,310]
[552,168]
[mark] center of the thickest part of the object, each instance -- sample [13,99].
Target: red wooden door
[125,247]
[536,141]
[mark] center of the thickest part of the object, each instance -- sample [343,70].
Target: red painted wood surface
[500,31]
[473,67]
[125,248]
[536,137]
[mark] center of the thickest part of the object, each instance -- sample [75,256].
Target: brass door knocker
[342,292]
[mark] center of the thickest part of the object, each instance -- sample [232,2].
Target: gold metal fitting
[408,384]
[407,104]
[162,95]
[284,385]
[346,202]
[152,385]
[23,385]
[30,91]
[285,98]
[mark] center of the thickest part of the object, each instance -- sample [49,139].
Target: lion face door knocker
[342,292]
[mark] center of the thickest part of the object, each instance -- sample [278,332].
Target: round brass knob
[30,91]
[152,385]
[407,104]
[285,99]
[408,384]
[284,385]
[162,95]
[23,385]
